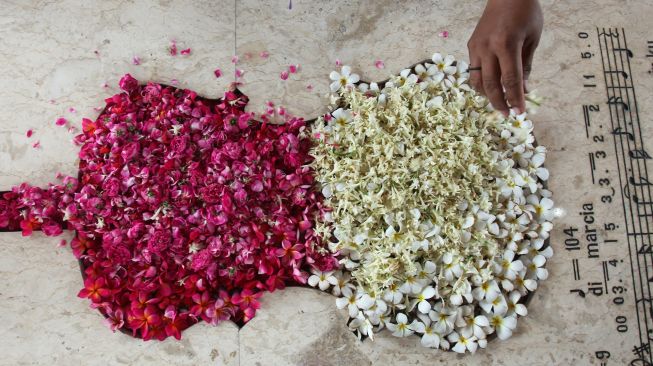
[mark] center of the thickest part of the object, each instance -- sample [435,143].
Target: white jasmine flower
[401,329]
[536,248]
[340,118]
[463,343]
[471,325]
[421,300]
[451,267]
[535,267]
[430,338]
[393,295]
[411,286]
[342,282]
[362,326]
[498,305]
[543,207]
[509,265]
[486,290]
[364,301]
[343,79]
[443,66]
[425,71]
[348,300]
[514,307]
[503,325]
[443,318]
[323,280]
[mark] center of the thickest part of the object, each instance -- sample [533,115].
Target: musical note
[638,154]
[640,202]
[628,51]
[642,182]
[617,100]
[621,72]
[618,132]
[580,292]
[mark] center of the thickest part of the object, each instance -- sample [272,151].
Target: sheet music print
[632,163]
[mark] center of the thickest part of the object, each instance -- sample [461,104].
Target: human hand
[501,51]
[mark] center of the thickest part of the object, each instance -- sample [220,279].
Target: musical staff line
[630,158]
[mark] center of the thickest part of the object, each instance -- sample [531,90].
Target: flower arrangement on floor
[438,213]
[186,209]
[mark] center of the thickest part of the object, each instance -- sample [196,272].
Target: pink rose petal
[60,121]
[264,54]
[234,59]
[72,110]
[173,48]
[29,133]
[174,82]
[293,68]
[185,52]
[239,73]
[444,34]
[136,60]
[217,73]
[309,87]
[338,62]
[37,144]
[284,75]
[379,64]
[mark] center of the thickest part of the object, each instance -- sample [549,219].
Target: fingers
[475,75]
[510,62]
[491,79]
[527,60]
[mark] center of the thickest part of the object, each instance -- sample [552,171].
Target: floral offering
[438,211]
[185,209]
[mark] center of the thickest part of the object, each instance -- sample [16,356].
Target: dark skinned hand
[502,45]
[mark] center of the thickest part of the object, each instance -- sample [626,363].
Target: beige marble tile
[47,52]
[45,323]
[316,33]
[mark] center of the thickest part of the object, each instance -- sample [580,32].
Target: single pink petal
[338,62]
[248,55]
[136,60]
[239,73]
[29,133]
[105,85]
[72,110]
[174,81]
[217,73]
[309,87]
[37,144]
[60,121]
[293,68]
[444,34]
[173,48]
[379,64]
[264,54]
[52,101]
[284,75]
[234,59]
[185,52]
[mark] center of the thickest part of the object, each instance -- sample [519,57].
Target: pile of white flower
[438,211]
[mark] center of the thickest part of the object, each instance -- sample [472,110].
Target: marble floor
[57,55]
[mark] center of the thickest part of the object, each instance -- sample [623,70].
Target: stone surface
[47,53]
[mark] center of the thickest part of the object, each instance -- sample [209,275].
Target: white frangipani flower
[343,79]
[323,280]
[503,325]
[421,300]
[430,338]
[401,328]
[463,343]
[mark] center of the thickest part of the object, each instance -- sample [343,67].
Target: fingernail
[526,86]
[505,113]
